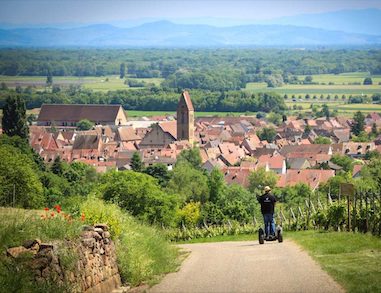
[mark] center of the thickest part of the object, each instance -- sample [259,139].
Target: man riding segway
[267,201]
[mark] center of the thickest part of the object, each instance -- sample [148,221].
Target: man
[267,201]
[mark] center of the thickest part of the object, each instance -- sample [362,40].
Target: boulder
[15,252]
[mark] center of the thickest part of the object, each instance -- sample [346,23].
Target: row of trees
[154,99]
[162,63]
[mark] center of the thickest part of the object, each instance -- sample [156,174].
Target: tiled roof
[311,177]
[170,127]
[58,112]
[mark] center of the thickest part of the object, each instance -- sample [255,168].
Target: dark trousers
[269,224]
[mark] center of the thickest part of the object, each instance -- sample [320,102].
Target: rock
[98,230]
[46,246]
[104,227]
[88,228]
[87,234]
[45,273]
[97,236]
[17,251]
[106,234]
[88,242]
[31,243]
[39,263]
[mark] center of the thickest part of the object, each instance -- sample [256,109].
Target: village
[228,143]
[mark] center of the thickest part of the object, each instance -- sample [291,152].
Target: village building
[69,115]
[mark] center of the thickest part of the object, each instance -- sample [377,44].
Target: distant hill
[168,34]
[363,21]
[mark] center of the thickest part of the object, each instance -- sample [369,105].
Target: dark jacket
[267,202]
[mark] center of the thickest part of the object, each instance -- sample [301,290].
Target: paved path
[247,267]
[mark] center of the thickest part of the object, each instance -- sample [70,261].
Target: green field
[342,85]
[103,83]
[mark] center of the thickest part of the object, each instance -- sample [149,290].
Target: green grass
[352,259]
[102,83]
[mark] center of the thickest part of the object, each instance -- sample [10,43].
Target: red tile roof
[311,177]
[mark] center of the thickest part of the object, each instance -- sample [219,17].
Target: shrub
[143,254]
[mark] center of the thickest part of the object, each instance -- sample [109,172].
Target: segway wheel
[261,236]
[279,235]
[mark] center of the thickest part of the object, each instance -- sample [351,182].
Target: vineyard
[361,213]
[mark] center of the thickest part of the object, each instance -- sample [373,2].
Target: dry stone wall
[89,265]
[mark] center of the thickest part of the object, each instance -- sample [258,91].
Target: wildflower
[52,214]
[58,208]
[83,217]
[46,209]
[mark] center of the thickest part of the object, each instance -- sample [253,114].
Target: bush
[143,254]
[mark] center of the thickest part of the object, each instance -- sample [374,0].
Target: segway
[278,235]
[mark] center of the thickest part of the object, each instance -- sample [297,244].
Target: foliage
[148,254]
[216,183]
[267,133]
[275,118]
[189,215]
[189,183]
[85,124]
[368,81]
[57,166]
[322,140]
[160,172]
[19,183]
[358,123]
[136,162]
[343,161]
[14,117]
[260,178]
[140,195]
[192,156]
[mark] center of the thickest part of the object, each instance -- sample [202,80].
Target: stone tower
[185,118]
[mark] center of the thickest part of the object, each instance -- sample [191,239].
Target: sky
[41,12]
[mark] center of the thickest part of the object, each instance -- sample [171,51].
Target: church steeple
[185,118]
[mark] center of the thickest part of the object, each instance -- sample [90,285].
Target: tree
[325,111]
[216,184]
[49,78]
[57,167]
[122,73]
[374,130]
[307,129]
[160,172]
[261,178]
[368,81]
[358,123]
[189,183]
[140,195]
[267,133]
[19,182]
[192,156]
[322,140]
[85,124]
[136,162]
[274,118]
[308,79]
[14,117]
[343,161]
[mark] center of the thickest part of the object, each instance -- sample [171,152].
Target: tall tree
[136,162]
[14,117]
[57,167]
[358,123]
[122,70]
[216,184]
[49,78]
[192,156]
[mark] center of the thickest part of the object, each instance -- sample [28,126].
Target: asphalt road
[247,267]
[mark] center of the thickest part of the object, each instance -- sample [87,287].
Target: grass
[143,254]
[16,227]
[136,113]
[102,83]
[352,259]
[223,238]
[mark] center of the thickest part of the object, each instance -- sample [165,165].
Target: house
[275,163]
[70,115]
[87,147]
[312,177]
[354,149]
[161,135]
[237,175]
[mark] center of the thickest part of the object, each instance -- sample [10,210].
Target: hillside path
[247,267]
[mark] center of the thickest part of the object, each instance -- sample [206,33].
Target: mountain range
[341,28]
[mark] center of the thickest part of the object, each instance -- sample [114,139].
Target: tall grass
[16,227]
[143,253]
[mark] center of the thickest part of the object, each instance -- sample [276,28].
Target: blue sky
[41,12]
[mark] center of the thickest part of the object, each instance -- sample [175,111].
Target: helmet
[267,189]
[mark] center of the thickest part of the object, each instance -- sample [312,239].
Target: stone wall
[88,265]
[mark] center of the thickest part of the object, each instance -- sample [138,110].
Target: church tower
[185,118]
